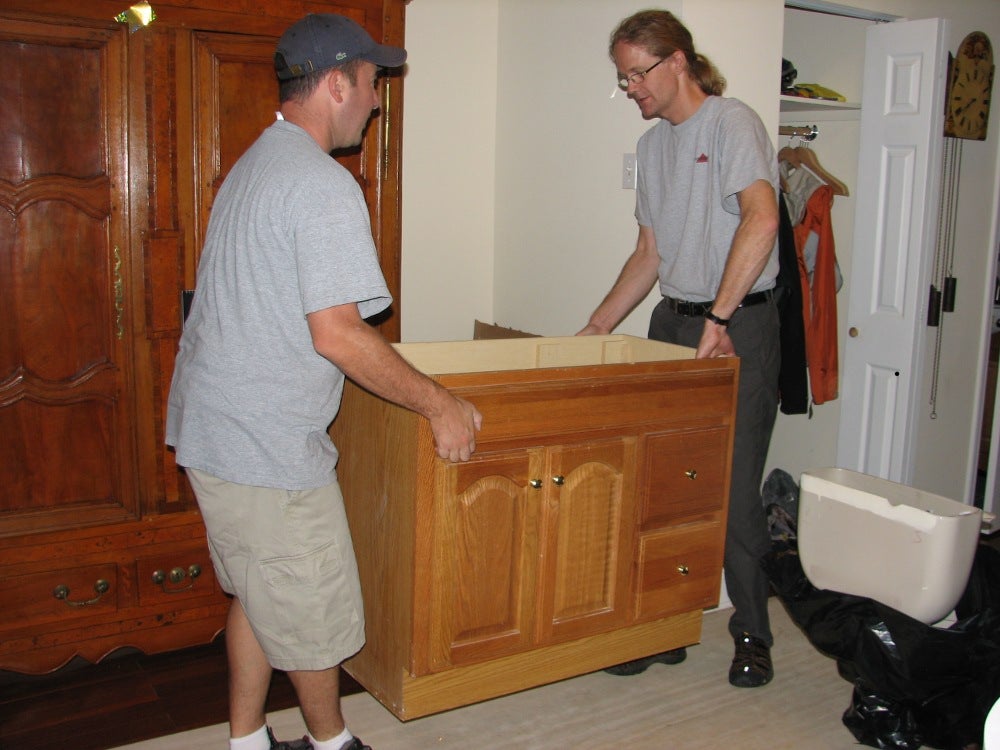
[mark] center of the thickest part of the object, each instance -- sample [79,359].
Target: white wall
[449,163]
[513,209]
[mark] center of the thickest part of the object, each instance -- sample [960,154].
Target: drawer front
[513,412]
[685,476]
[680,570]
[175,576]
[58,596]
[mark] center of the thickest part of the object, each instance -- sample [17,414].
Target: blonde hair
[661,34]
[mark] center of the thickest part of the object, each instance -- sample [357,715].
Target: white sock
[256,741]
[332,744]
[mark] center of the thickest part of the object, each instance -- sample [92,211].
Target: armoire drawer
[58,595]
[174,576]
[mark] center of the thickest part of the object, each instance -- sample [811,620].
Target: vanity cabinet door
[485,551]
[531,547]
[587,536]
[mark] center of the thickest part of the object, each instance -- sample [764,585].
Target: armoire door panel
[65,427]
[236,100]
[51,94]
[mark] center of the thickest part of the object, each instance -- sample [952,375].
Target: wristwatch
[716,319]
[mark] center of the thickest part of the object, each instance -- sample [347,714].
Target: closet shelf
[819,109]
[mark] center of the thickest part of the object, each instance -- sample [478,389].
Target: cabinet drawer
[679,570]
[58,595]
[515,412]
[175,575]
[684,476]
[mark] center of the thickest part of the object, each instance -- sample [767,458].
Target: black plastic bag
[914,684]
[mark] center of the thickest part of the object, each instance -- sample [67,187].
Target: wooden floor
[125,699]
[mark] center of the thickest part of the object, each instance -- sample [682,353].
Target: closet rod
[805,132]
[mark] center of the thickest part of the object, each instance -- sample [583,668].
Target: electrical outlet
[629,169]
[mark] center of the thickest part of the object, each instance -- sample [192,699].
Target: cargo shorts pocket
[314,598]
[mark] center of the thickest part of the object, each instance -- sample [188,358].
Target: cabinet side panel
[377,472]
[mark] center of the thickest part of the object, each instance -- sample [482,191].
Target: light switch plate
[629,170]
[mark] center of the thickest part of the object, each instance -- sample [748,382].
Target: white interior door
[894,235]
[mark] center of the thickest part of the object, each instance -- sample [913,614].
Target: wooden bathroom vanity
[587,529]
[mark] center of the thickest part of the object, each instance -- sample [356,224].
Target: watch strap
[716,319]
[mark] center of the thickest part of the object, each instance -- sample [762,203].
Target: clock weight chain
[944,284]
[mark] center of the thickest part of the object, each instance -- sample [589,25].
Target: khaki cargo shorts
[287,556]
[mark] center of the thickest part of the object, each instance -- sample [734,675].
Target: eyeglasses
[636,78]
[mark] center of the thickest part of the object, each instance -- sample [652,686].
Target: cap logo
[341,55]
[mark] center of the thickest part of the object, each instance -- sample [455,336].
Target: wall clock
[970,84]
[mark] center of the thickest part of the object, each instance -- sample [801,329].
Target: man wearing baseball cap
[287,276]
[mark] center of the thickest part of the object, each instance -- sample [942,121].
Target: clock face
[969,100]
[969,89]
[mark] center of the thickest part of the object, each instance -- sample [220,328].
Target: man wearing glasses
[706,204]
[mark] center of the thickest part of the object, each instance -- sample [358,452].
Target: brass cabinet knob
[558,479]
[691,473]
[683,570]
[536,483]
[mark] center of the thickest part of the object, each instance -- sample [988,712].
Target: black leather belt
[693,309]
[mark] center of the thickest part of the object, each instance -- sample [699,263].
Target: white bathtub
[862,535]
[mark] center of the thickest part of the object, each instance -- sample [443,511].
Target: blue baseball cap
[326,40]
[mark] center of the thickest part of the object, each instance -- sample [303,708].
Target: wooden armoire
[113,142]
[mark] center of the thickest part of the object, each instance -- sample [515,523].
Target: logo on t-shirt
[703,159]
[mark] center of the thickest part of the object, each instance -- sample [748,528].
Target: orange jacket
[819,299]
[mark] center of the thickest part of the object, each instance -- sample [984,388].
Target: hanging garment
[799,185]
[819,305]
[793,384]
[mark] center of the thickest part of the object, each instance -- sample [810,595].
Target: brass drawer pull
[176,576]
[683,570]
[691,474]
[558,480]
[62,592]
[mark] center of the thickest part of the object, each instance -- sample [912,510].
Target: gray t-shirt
[289,234]
[689,175]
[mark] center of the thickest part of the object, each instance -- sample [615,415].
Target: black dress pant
[754,331]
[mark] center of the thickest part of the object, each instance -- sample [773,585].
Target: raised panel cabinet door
[587,532]
[484,566]
[66,450]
